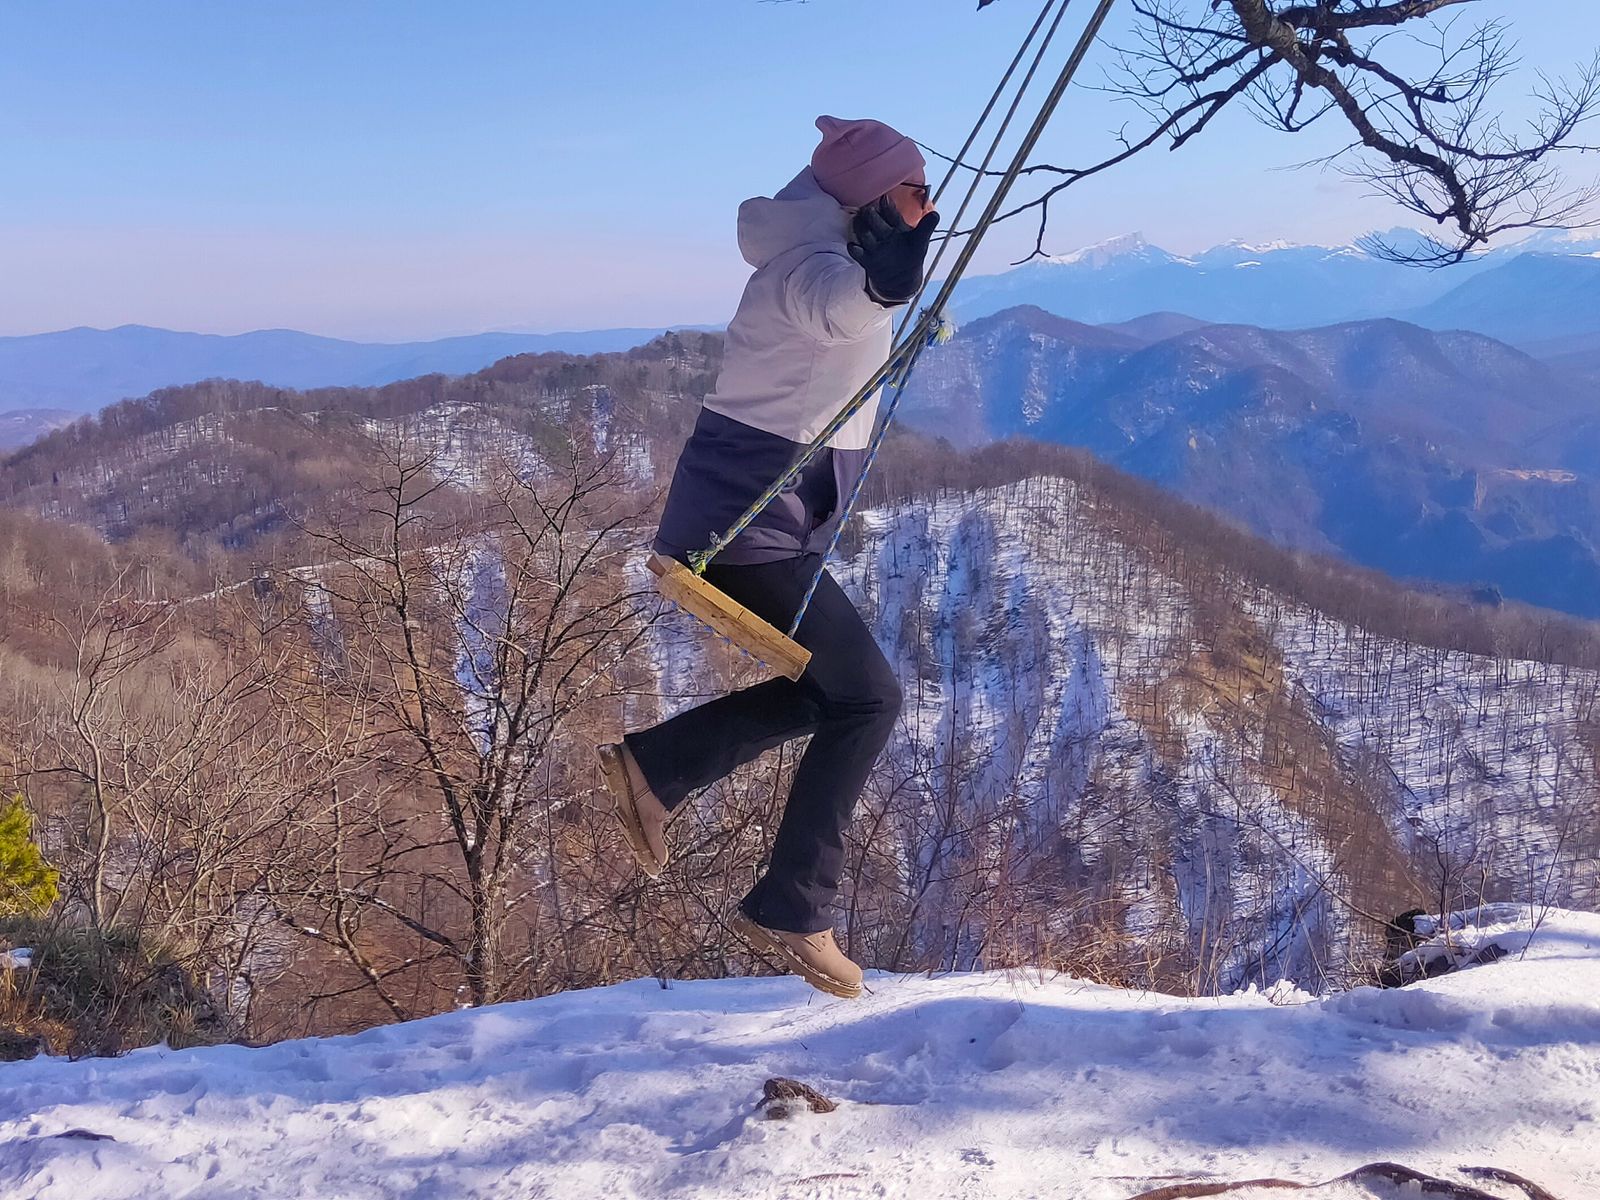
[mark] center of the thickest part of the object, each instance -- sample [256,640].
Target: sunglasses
[922,190]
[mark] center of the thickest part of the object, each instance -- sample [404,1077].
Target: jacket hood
[800,214]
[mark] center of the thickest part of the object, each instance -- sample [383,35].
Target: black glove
[891,251]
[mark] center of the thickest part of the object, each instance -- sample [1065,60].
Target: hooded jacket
[805,338]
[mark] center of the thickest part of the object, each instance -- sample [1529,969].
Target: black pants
[847,700]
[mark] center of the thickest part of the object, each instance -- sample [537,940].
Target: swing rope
[896,371]
[898,384]
[960,158]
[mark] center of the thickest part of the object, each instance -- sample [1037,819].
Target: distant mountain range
[1580,351]
[1544,288]
[81,370]
[1531,298]
[1543,295]
[1446,456]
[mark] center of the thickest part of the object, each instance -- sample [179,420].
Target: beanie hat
[858,161]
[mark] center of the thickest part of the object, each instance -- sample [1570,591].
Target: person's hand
[890,251]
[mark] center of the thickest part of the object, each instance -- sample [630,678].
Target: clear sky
[394,169]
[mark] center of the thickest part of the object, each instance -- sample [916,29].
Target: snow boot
[815,957]
[642,817]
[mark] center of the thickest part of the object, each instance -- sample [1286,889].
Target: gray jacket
[805,338]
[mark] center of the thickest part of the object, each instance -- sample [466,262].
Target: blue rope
[909,341]
[940,331]
[699,559]
[931,320]
[930,327]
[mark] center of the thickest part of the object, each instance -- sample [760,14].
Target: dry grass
[91,992]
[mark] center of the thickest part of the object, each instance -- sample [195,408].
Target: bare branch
[1432,140]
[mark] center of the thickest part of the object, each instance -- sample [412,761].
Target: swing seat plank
[728,617]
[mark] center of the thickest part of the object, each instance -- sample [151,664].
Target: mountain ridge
[1544,287]
[1442,455]
[84,368]
[1201,760]
[1272,284]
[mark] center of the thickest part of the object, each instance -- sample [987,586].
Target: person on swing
[836,253]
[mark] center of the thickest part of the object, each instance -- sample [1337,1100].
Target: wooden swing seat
[728,618]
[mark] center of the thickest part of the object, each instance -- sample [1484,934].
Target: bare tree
[1420,111]
[475,635]
[164,778]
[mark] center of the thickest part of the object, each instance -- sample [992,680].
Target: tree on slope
[456,647]
[27,882]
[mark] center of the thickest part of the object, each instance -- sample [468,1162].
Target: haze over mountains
[83,369]
[21,426]
[1444,456]
[1437,455]
[1543,294]
[1546,287]
[1531,299]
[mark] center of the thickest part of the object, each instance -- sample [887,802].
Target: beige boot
[815,957]
[642,817]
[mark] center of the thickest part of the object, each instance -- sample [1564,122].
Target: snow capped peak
[1133,247]
[1242,252]
[1102,253]
[1580,243]
[1249,247]
[1129,251]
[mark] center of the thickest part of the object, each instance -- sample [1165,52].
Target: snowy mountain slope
[465,444]
[992,1085]
[1268,767]
[221,457]
[1112,754]
[1444,456]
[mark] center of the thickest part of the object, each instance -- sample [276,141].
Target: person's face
[913,200]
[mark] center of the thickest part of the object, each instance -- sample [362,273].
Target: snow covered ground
[994,1085]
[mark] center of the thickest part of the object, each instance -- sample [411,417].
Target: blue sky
[391,170]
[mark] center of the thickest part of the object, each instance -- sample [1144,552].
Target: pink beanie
[858,161]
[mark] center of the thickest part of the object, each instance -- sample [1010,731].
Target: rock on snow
[991,1085]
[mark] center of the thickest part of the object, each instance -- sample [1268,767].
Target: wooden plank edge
[729,618]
